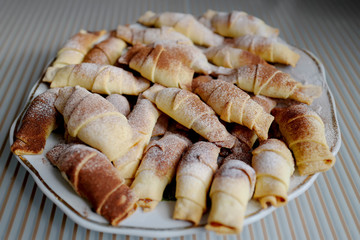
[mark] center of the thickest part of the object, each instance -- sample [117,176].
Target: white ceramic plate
[159,223]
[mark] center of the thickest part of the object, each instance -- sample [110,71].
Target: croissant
[193,179]
[157,168]
[93,177]
[39,121]
[142,119]
[120,103]
[274,165]
[304,133]
[158,65]
[134,35]
[183,23]
[103,79]
[95,121]
[268,81]
[230,192]
[271,49]
[234,105]
[106,52]
[230,57]
[235,24]
[187,109]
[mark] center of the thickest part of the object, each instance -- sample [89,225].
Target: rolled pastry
[39,121]
[230,57]
[274,165]
[120,103]
[183,23]
[268,81]
[157,168]
[271,49]
[159,65]
[193,178]
[134,35]
[142,119]
[106,52]
[234,105]
[230,192]
[95,121]
[236,23]
[304,133]
[187,109]
[103,79]
[93,177]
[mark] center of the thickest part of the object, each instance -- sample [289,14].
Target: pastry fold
[187,109]
[93,177]
[95,121]
[193,178]
[39,121]
[159,65]
[271,49]
[183,23]
[234,105]
[237,23]
[157,168]
[269,81]
[274,165]
[304,133]
[230,192]
[230,57]
[142,119]
[103,79]
[134,34]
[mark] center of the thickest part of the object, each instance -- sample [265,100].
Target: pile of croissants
[184,98]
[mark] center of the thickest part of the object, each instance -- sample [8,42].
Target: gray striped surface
[31,32]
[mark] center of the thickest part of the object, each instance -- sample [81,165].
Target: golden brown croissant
[274,165]
[106,52]
[230,192]
[183,23]
[193,178]
[157,168]
[304,132]
[103,79]
[234,105]
[268,81]
[187,109]
[230,57]
[39,121]
[134,34]
[93,177]
[235,23]
[95,121]
[272,49]
[159,65]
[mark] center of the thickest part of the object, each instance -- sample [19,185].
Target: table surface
[33,31]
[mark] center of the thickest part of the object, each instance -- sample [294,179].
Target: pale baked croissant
[187,109]
[233,105]
[95,121]
[269,81]
[93,177]
[274,165]
[230,192]
[157,168]
[183,23]
[134,34]
[39,121]
[271,49]
[236,23]
[193,178]
[230,57]
[103,79]
[304,133]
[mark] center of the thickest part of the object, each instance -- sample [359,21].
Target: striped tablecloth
[31,32]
